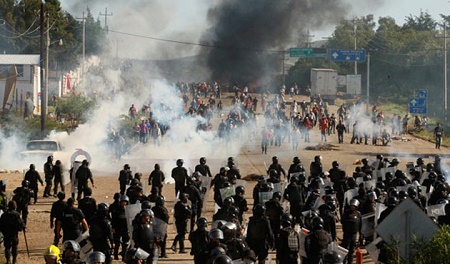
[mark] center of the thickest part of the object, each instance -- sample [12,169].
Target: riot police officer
[274,211]
[351,225]
[277,167]
[100,232]
[56,213]
[125,176]
[240,202]
[71,222]
[316,168]
[83,175]
[203,168]
[259,234]
[33,177]
[162,213]
[71,253]
[10,226]
[218,182]
[22,196]
[120,226]
[48,175]
[179,174]
[288,241]
[97,257]
[199,238]
[143,235]
[182,214]
[88,205]
[195,198]
[295,167]
[317,241]
[156,178]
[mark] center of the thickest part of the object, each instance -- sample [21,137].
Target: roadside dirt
[250,161]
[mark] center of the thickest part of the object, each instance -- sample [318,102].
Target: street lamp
[60,43]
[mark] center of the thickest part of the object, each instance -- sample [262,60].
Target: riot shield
[74,188]
[303,232]
[277,187]
[265,196]
[159,228]
[131,211]
[86,246]
[368,224]
[349,194]
[227,192]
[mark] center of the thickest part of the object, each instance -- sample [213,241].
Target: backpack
[293,240]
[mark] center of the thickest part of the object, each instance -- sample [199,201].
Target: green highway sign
[307,53]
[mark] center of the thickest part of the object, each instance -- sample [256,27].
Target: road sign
[407,222]
[347,55]
[417,106]
[307,53]
[422,93]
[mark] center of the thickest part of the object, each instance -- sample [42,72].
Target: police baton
[26,243]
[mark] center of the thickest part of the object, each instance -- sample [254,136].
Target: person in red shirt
[323,126]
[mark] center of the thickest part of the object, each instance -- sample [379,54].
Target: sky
[183,20]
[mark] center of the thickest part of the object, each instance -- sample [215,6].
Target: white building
[27,80]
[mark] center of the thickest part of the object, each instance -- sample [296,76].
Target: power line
[195,44]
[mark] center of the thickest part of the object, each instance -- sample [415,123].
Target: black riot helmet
[159,200]
[276,195]
[335,164]
[317,223]
[332,257]
[25,183]
[317,158]
[275,159]
[180,162]
[296,160]
[202,160]
[240,190]
[202,222]
[259,210]
[287,219]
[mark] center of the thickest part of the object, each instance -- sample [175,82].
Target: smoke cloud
[251,36]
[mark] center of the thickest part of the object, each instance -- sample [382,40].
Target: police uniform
[55,214]
[48,175]
[351,225]
[259,236]
[156,179]
[101,235]
[10,225]
[125,176]
[70,222]
[162,213]
[33,177]
[182,214]
[198,238]
[88,205]
[120,227]
[83,175]
[179,174]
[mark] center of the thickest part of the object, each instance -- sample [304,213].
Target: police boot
[8,261]
[182,247]
[14,260]
[116,253]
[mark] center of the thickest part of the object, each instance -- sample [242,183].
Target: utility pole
[445,70]
[308,36]
[42,76]
[106,18]
[368,80]
[45,103]
[354,35]
[84,44]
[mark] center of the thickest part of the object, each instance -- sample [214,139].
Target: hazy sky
[186,20]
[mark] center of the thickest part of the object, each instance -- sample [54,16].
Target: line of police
[267,225]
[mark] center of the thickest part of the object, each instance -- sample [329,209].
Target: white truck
[37,152]
[324,82]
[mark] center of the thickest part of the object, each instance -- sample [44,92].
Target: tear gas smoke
[251,36]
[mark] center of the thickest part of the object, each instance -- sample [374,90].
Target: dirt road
[250,161]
